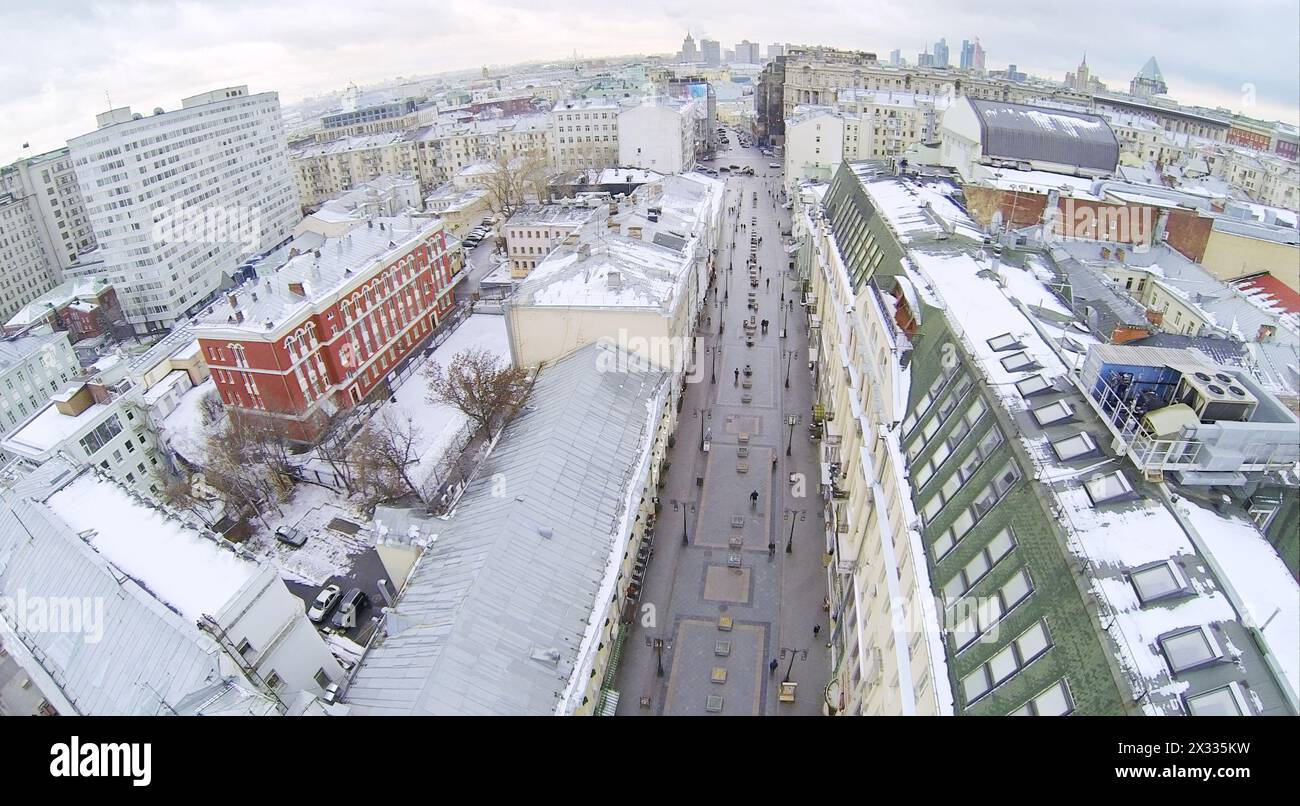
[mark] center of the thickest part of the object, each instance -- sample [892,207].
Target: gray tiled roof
[493,617]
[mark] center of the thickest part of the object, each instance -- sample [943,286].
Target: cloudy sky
[64,60]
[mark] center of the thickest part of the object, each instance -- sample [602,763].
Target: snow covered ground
[442,426]
[327,552]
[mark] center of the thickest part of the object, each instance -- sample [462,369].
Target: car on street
[325,602]
[774,165]
[291,535]
[350,607]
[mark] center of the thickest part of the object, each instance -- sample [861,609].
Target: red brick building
[321,333]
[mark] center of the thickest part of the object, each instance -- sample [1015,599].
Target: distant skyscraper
[1080,81]
[747,53]
[967,54]
[977,57]
[895,57]
[925,58]
[1149,81]
[689,53]
[941,53]
[710,52]
[774,50]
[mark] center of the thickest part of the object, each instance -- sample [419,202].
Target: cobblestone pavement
[771,599]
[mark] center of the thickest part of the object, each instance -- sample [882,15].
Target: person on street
[817,628]
[769,284]
[753,502]
[771,667]
[738,375]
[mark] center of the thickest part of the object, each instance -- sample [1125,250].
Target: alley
[735,584]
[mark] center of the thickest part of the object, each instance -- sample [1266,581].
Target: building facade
[27,269]
[32,368]
[50,182]
[326,329]
[178,198]
[585,133]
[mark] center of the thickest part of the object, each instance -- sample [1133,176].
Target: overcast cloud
[64,60]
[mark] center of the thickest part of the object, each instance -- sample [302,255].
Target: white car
[325,602]
[774,165]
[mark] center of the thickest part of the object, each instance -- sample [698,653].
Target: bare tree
[183,495]
[390,445]
[210,407]
[480,385]
[511,179]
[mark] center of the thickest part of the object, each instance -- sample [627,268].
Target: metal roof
[493,618]
[148,660]
[1022,132]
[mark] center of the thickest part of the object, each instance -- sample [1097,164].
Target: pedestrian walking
[771,667]
[817,628]
[737,376]
[769,284]
[753,499]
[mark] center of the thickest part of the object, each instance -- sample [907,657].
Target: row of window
[1025,649]
[969,517]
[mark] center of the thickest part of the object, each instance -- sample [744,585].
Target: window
[1108,487]
[1004,342]
[273,680]
[1018,361]
[322,679]
[1225,701]
[1080,444]
[1190,649]
[1033,385]
[1055,701]
[245,648]
[1053,413]
[1158,581]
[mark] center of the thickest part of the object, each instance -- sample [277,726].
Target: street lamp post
[789,360]
[791,420]
[659,654]
[703,415]
[789,543]
[792,652]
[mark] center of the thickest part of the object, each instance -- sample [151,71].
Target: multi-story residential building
[1255,134]
[1015,523]
[891,122]
[32,368]
[385,195]
[358,120]
[323,171]
[661,134]
[775,49]
[86,308]
[816,141]
[536,229]
[320,333]
[637,276]
[177,199]
[27,269]
[585,133]
[50,182]
[90,423]
[184,622]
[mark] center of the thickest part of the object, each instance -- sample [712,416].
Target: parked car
[350,607]
[774,165]
[724,169]
[291,535]
[324,603]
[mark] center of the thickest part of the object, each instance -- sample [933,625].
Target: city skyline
[69,62]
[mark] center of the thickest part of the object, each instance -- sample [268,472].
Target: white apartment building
[531,233]
[50,183]
[179,198]
[88,423]
[659,135]
[387,195]
[585,133]
[815,144]
[890,122]
[31,369]
[27,270]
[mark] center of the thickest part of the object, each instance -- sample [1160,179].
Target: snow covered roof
[502,614]
[17,351]
[132,655]
[1036,134]
[187,570]
[270,302]
[1015,329]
